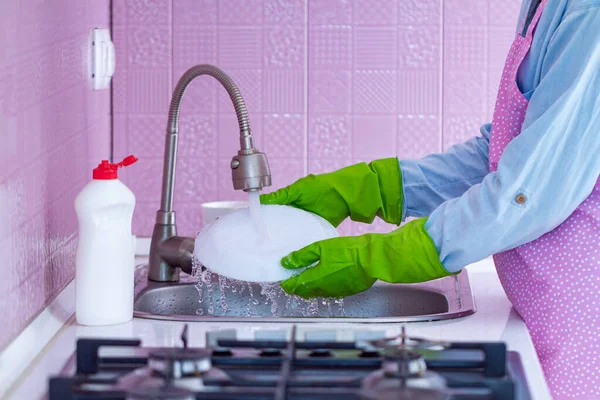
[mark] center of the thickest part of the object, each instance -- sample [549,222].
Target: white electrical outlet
[104,59]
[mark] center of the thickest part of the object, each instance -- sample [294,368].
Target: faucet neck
[170,159]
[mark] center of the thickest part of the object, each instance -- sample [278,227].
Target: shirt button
[520,199]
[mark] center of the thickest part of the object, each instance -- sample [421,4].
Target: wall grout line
[111,107]
[217,107]
[441,98]
[171,48]
[306,87]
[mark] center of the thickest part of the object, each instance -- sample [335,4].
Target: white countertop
[493,321]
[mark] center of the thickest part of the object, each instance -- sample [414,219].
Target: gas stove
[270,367]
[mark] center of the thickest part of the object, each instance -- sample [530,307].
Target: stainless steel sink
[441,299]
[161,293]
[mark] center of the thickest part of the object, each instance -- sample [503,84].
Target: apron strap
[533,6]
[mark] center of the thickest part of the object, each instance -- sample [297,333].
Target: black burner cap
[399,355]
[403,394]
[163,393]
[179,353]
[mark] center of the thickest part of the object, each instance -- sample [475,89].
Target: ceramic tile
[195,12]
[419,12]
[465,48]
[375,48]
[330,91]
[283,90]
[466,12]
[419,92]
[194,44]
[147,134]
[240,47]
[61,124]
[148,12]
[284,46]
[324,165]
[419,47]
[381,12]
[241,12]
[329,137]
[149,91]
[148,47]
[374,137]
[198,136]
[504,13]
[289,12]
[329,12]
[284,136]
[196,180]
[418,136]
[330,47]
[374,91]
[462,91]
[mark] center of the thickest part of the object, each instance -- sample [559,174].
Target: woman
[526,191]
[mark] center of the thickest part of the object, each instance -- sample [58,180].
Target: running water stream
[256,216]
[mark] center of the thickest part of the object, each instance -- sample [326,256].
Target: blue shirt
[554,161]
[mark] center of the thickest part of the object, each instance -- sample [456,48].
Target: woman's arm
[554,162]
[437,178]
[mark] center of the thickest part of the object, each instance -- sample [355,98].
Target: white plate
[230,245]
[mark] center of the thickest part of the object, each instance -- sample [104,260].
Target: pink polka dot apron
[554,281]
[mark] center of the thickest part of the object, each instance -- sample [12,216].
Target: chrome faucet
[169,253]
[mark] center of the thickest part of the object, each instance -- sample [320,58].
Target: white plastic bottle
[104,265]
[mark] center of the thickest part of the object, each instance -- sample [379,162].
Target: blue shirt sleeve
[434,179]
[553,162]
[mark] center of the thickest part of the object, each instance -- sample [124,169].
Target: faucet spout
[250,171]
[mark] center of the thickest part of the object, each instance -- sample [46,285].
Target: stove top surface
[367,368]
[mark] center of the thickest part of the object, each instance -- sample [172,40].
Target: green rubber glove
[349,265]
[361,191]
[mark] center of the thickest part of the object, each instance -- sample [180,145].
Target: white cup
[216,209]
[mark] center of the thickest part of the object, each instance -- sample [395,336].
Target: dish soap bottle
[104,264]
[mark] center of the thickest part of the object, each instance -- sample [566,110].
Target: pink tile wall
[327,83]
[53,127]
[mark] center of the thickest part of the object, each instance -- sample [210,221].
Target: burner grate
[297,370]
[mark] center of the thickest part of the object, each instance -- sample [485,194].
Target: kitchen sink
[444,298]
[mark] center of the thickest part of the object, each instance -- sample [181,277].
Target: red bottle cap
[107,171]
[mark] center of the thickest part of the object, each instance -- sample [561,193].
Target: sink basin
[444,298]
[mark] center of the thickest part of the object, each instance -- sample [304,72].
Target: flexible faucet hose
[224,79]
[246,140]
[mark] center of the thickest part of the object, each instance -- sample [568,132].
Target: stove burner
[396,345]
[403,394]
[405,365]
[179,362]
[164,393]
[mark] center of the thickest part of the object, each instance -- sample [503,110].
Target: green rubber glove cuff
[390,186]
[361,191]
[417,258]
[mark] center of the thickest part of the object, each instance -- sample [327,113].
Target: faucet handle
[250,170]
